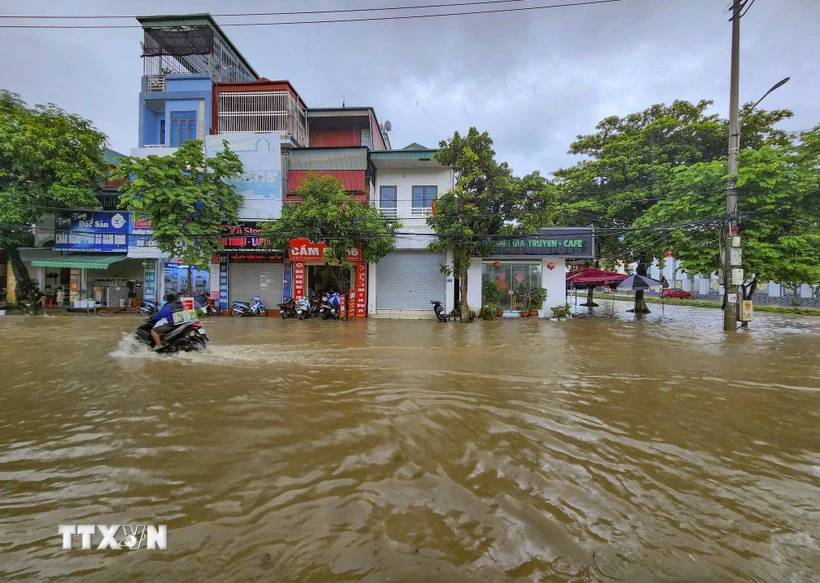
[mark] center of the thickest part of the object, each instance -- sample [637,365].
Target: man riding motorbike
[162,319]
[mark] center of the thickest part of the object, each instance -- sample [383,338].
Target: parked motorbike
[148,308]
[287,309]
[181,338]
[253,307]
[329,308]
[212,308]
[303,307]
[439,310]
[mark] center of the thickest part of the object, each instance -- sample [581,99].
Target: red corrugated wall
[334,138]
[353,180]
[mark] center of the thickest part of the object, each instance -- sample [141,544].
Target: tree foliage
[481,204]
[631,163]
[779,206]
[48,159]
[185,197]
[327,214]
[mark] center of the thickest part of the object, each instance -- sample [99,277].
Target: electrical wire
[257,14]
[329,21]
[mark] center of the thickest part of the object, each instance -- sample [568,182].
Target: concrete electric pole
[730,273]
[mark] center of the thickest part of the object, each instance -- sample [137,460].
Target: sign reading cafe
[555,241]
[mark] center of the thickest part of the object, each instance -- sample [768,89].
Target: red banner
[352,307]
[342,307]
[306,250]
[298,280]
[361,290]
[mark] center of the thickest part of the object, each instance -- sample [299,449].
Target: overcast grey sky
[533,79]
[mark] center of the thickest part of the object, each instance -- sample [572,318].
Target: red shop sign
[298,280]
[306,250]
[361,290]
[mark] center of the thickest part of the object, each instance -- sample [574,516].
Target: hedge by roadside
[703,304]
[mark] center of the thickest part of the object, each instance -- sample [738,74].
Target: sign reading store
[555,241]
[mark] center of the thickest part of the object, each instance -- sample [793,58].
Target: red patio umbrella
[592,278]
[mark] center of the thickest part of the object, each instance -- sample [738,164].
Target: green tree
[779,207]
[630,162]
[48,159]
[185,197]
[484,202]
[327,214]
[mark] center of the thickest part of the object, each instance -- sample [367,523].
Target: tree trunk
[590,298]
[190,282]
[795,301]
[23,287]
[640,302]
[465,309]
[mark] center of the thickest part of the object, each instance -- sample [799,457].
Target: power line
[328,21]
[256,14]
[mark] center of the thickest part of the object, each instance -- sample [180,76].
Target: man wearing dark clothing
[163,320]
[132,293]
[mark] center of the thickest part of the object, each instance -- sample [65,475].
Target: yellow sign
[746,311]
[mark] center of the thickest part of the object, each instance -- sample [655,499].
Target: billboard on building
[141,243]
[101,231]
[260,184]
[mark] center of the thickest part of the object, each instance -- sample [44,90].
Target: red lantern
[496,264]
[551,265]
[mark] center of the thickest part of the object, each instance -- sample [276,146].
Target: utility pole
[732,250]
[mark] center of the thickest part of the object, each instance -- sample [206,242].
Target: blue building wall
[182,93]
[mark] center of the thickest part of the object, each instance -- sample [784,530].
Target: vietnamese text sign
[141,242]
[105,231]
[306,250]
[562,242]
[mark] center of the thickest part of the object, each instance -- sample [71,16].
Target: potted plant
[537,299]
[499,313]
[488,312]
[525,313]
[471,314]
[557,312]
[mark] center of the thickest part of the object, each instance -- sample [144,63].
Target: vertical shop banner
[361,289]
[343,308]
[223,282]
[298,280]
[74,286]
[351,307]
[149,290]
[286,280]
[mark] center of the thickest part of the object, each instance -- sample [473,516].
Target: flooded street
[600,449]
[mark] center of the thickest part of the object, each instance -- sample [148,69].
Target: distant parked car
[676,293]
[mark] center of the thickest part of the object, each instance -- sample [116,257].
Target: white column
[450,289]
[371,288]
[555,282]
[474,285]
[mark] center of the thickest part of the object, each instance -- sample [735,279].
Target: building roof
[201,19]
[111,156]
[405,158]
[341,111]
[414,146]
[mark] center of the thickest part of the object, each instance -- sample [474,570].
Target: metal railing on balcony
[156,83]
[262,112]
[389,212]
[422,211]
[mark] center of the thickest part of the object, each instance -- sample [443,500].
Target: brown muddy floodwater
[600,449]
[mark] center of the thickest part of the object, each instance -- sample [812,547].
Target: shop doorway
[328,278]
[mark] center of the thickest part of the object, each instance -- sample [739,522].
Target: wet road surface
[600,449]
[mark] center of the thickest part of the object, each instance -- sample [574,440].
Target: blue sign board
[223,281]
[149,292]
[105,231]
[286,280]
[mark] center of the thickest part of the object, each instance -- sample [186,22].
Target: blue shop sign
[105,231]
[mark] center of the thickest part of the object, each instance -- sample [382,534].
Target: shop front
[248,268]
[521,264]
[310,274]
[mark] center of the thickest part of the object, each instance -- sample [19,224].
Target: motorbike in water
[253,307]
[212,307]
[439,310]
[287,309]
[148,308]
[180,338]
[329,308]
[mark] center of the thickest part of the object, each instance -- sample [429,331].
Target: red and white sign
[298,280]
[342,308]
[306,250]
[352,307]
[361,290]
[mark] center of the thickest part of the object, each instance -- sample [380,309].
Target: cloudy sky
[534,79]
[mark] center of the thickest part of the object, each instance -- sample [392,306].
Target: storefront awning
[81,261]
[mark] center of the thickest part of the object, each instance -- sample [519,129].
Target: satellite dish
[387,126]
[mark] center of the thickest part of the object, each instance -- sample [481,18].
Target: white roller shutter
[246,280]
[408,280]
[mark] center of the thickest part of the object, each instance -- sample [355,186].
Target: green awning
[81,261]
